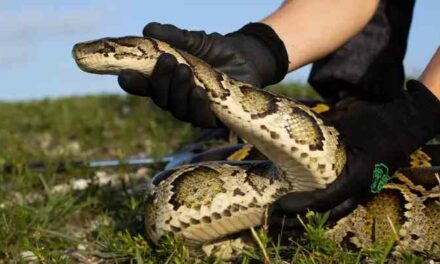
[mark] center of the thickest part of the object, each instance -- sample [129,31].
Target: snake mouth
[76,53]
[82,57]
[79,59]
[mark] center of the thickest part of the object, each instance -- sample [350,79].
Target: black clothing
[370,64]
[378,140]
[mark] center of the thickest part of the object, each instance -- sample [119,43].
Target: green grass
[104,222]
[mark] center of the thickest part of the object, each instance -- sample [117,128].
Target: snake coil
[204,203]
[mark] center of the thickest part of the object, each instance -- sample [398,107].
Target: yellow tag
[240,154]
[320,108]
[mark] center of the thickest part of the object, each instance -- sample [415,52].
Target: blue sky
[36,37]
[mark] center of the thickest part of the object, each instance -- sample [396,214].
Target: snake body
[203,203]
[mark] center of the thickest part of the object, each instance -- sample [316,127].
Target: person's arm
[311,29]
[258,53]
[431,75]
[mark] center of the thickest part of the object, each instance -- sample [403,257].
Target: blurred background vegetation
[38,221]
[83,215]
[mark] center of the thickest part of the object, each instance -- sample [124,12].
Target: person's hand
[254,54]
[378,139]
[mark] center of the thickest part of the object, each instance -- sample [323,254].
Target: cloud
[23,32]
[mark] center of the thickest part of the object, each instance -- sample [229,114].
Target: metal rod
[132,162]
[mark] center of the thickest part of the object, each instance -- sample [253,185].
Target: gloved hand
[379,139]
[254,54]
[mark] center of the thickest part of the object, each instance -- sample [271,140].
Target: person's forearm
[431,75]
[311,29]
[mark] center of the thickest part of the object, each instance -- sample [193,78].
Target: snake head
[111,55]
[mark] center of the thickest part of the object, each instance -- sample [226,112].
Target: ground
[71,215]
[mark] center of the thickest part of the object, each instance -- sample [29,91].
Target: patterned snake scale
[206,203]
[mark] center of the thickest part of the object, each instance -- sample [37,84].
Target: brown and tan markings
[196,187]
[128,43]
[258,104]
[420,159]
[304,130]
[216,89]
[106,49]
[432,211]
[255,173]
[235,202]
[403,211]
[273,134]
[340,155]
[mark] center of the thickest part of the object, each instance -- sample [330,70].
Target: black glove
[379,139]
[254,54]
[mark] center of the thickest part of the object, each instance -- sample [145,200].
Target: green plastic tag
[380,177]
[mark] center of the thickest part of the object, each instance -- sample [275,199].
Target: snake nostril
[85,49]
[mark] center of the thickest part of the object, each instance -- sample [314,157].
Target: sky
[36,37]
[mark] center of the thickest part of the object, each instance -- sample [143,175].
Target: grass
[42,220]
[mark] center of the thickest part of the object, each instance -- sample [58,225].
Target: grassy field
[95,216]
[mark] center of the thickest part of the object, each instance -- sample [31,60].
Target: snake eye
[106,49]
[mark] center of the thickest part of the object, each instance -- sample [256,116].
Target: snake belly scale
[203,203]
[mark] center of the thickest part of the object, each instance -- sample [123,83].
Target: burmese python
[205,202]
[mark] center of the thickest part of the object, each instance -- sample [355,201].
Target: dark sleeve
[370,64]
